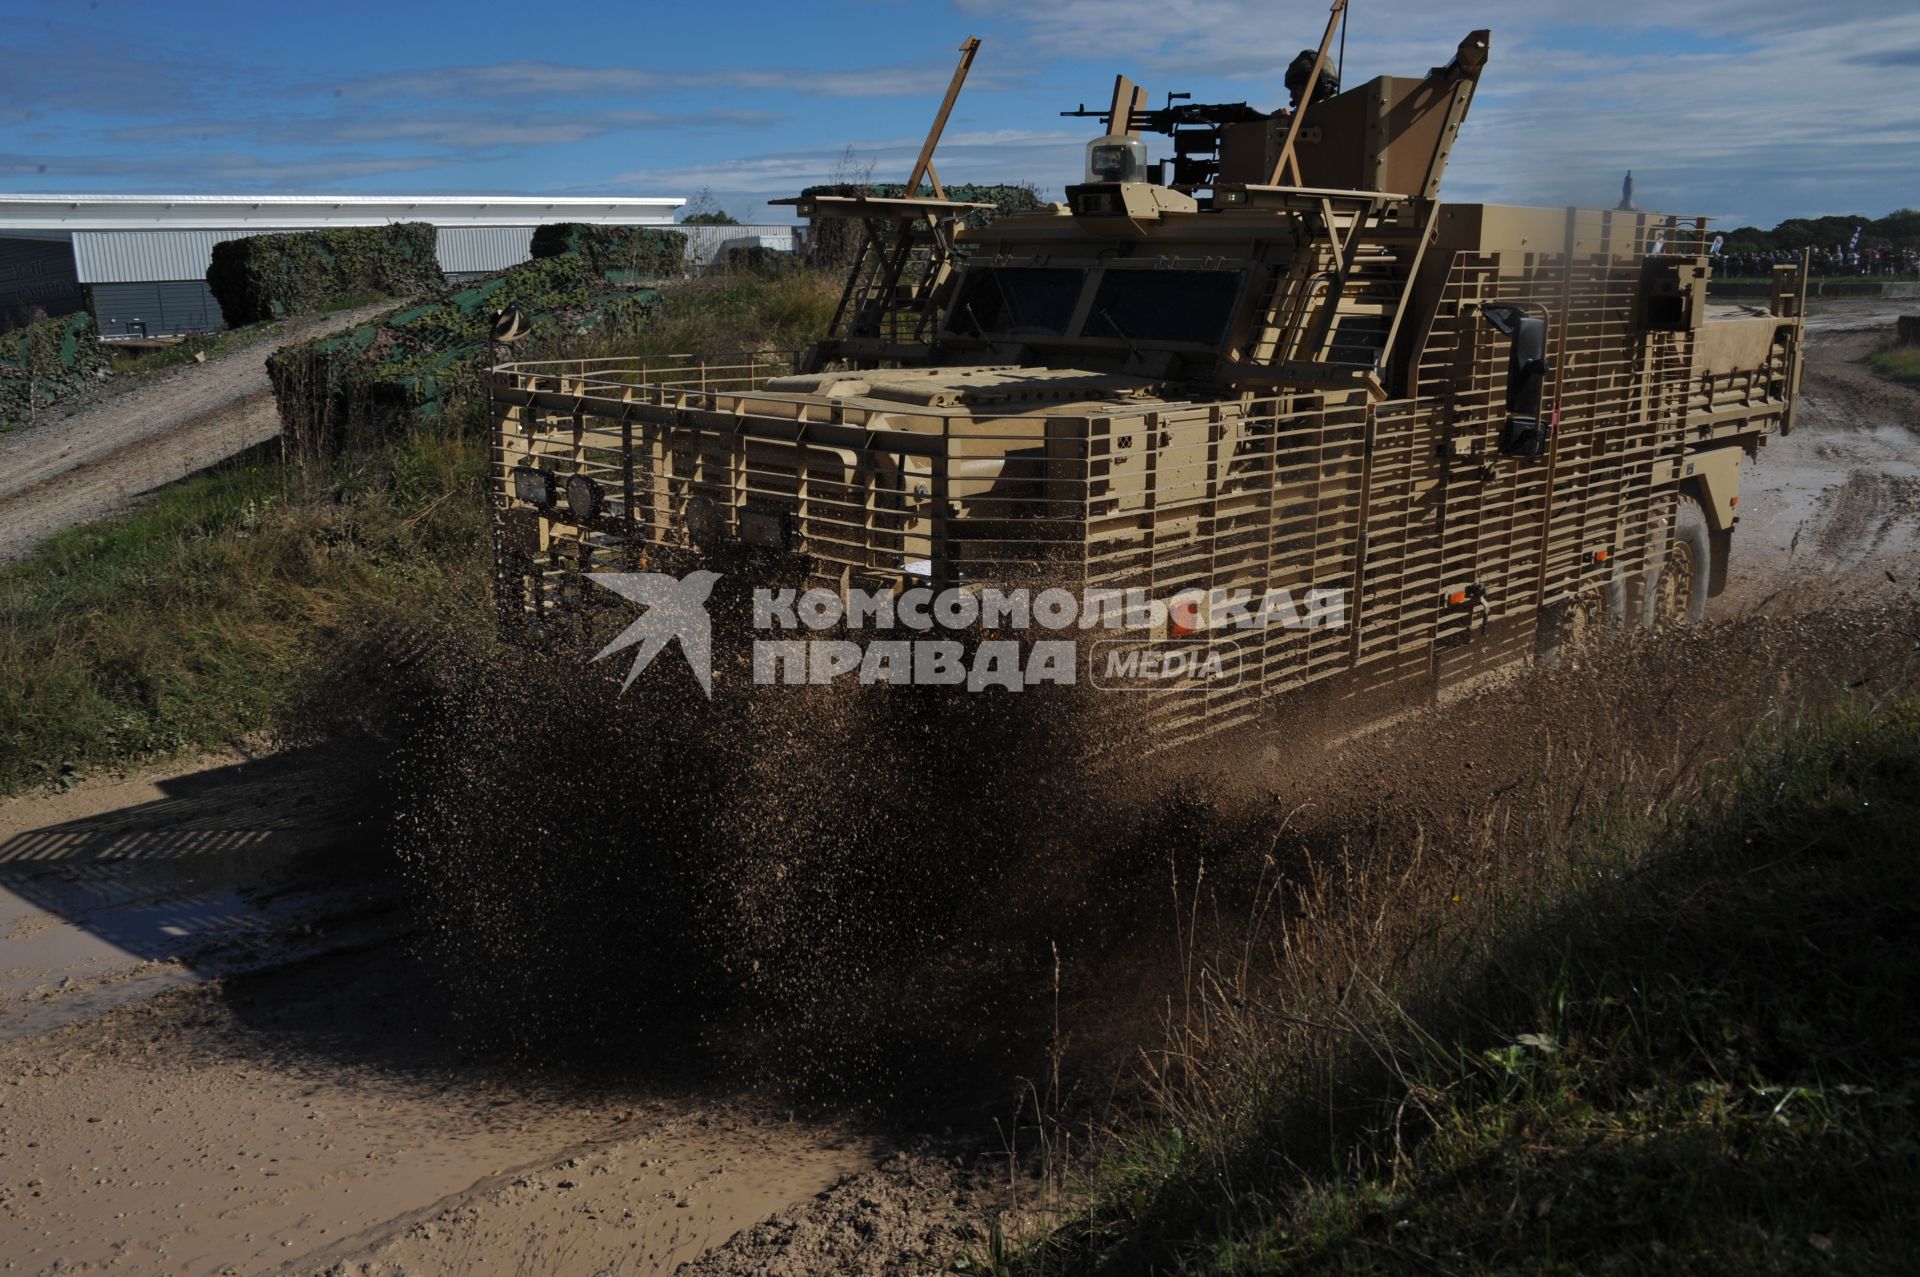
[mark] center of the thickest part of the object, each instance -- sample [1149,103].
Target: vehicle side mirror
[1524,435]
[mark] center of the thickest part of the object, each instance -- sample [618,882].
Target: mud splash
[824,885]
[874,895]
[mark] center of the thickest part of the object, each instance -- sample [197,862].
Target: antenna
[1336,16]
[923,167]
[1340,67]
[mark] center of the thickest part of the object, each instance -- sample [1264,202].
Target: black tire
[1681,575]
[1574,629]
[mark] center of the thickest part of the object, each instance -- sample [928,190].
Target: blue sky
[1751,110]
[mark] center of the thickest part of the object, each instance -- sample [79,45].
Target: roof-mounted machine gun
[1199,128]
[1391,134]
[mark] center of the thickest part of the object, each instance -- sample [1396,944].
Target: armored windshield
[1019,301]
[1165,306]
[1143,306]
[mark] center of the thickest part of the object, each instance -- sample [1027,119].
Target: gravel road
[81,467]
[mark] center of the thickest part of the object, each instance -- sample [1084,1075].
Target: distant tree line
[1895,230]
[1886,247]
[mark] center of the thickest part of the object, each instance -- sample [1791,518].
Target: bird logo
[675,608]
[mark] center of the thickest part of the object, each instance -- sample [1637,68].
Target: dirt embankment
[93,462]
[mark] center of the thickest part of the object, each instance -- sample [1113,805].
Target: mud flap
[1721,543]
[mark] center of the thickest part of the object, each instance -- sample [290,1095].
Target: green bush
[756,259]
[622,254]
[426,359]
[835,239]
[46,362]
[272,276]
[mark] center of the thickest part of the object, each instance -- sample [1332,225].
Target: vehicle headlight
[705,526]
[584,497]
[766,528]
[535,487]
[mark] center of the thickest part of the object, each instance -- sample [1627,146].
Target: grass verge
[201,617]
[1901,363]
[195,620]
[1697,1052]
[725,313]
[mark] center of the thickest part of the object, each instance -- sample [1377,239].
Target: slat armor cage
[1446,555]
[1213,391]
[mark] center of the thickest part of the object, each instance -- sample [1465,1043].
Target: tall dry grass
[1550,1025]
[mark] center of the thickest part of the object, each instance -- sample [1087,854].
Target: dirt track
[251,1114]
[1838,500]
[91,463]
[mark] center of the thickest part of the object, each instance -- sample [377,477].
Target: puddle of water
[147,885]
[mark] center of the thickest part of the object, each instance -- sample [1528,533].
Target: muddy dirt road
[81,467]
[1837,502]
[215,1057]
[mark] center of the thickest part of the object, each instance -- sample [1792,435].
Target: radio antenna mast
[1340,67]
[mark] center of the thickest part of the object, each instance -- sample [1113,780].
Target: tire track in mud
[93,462]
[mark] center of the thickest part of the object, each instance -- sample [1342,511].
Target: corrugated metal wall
[469,249]
[128,257]
[134,257]
[159,277]
[706,243]
[156,307]
[36,274]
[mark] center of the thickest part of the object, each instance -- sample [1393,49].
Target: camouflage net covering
[46,362]
[622,254]
[756,259]
[266,277]
[835,239]
[423,360]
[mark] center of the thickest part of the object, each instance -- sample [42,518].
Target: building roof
[257,213]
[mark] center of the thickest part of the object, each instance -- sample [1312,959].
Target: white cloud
[529,80]
[1047,158]
[1765,108]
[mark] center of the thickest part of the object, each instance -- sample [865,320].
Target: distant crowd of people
[1879,263]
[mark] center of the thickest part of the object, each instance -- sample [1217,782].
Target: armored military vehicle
[1275,357]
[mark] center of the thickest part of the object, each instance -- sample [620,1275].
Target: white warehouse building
[139,262]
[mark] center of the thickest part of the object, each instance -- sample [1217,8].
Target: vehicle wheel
[1681,577]
[1575,628]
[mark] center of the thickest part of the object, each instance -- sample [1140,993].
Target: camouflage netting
[756,259]
[835,239]
[270,276]
[420,361]
[46,362]
[623,254]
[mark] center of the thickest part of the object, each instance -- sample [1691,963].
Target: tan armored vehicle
[1276,358]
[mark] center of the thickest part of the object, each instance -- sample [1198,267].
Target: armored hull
[1474,424]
